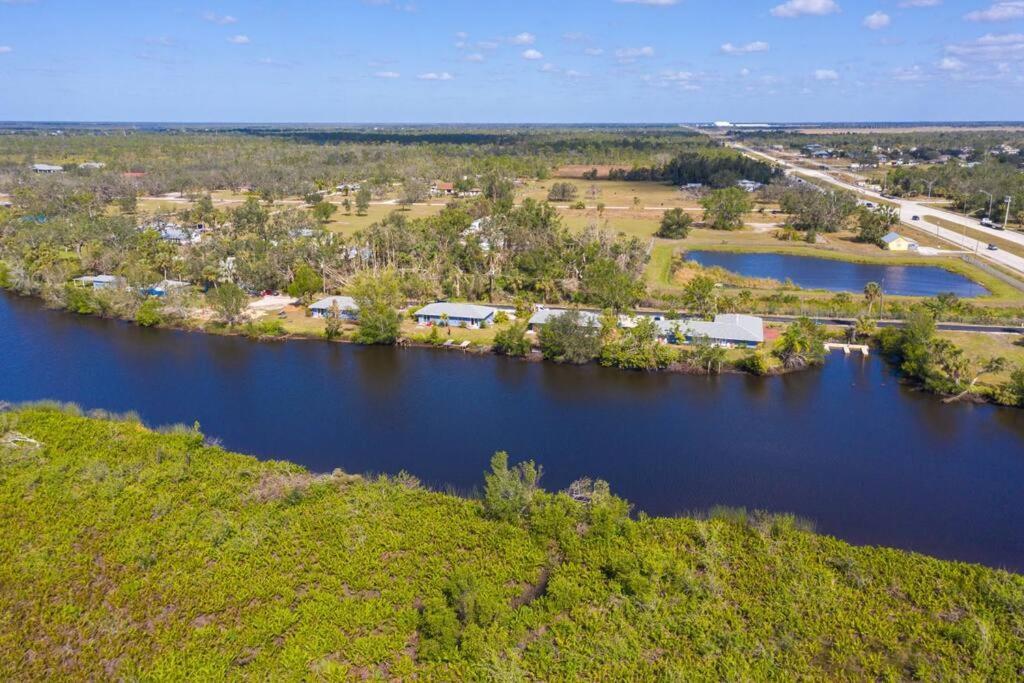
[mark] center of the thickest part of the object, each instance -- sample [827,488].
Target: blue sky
[512,61]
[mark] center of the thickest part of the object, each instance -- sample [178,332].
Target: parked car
[915,218]
[993,247]
[986,222]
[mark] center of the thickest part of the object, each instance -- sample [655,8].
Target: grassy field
[131,554]
[981,347]
[983,237]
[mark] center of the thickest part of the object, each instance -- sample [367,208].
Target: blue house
[456,315]
[347,307]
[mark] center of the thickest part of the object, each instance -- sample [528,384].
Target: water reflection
[847,446]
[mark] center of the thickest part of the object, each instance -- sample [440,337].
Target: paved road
[908,209]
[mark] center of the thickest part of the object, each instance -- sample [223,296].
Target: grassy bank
[135,554]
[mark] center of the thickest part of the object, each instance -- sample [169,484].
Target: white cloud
[1001,47]
[474,57]
[909,74]
[756,46]
[387,74]
[877,20]
[744,72]
[434,76]
[796,8]
[222,19]
[549,68]
[6,49]
[164,41]
[650,3]
[920,3]
[1000,11]
[239,40]
[627,55]
[593,51]
[951,64]
[825,75]
[487,45]
[523,38]
[532,54]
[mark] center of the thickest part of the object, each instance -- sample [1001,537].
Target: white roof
[465,311]
[46,167]
[726,327]
[545,315]
[345,303]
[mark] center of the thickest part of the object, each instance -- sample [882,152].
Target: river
[847,446]
[841,276]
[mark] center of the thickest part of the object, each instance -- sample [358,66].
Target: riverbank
[182,558]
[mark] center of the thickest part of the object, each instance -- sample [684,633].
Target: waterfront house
[100,281]
[897,242]
[545,315]
[47,168]
[457,315]
[728,329]
[163,287]
[347,307]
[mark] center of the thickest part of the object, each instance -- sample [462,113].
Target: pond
[809,272]
[847,446]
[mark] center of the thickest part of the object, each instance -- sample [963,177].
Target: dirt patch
[278,486]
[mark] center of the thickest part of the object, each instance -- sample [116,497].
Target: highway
[909,208]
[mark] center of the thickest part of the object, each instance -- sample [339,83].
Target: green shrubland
[138,554]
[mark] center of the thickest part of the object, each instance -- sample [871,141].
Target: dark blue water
[840,276]
[848,447]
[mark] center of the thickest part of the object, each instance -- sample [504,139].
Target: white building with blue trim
[456,315]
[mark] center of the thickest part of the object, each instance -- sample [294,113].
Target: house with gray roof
[100,281]
[458,315]
[545,315]
[346,306]
[728,330]
[47,168]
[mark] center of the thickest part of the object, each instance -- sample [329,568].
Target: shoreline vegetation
[923,360]
[186,560]
[391,217]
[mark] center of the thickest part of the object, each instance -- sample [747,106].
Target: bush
[755,362]
[305,282]
[262,329]
[150,313]
[562,192]
[508,492]
[512,341]
[569,338]
[78,299]
[675,224]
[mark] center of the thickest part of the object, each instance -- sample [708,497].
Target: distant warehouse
[345,305]
[459,315]
[47,168]
[730,330]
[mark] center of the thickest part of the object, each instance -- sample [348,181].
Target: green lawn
[135,555]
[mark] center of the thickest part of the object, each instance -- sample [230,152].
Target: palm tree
[872,293]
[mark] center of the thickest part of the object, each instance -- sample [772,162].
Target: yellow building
[896,242]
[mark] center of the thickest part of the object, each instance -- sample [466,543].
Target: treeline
[717,169]
[973,190]
[290,162]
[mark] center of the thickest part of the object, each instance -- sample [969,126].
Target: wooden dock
[847,348]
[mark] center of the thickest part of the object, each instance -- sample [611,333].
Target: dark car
[915,218]
[993,247]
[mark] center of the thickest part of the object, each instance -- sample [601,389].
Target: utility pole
[1006,220]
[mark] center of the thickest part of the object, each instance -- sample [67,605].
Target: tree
[332,326]
[305,282]
[675,224]
[227,300]
[570,338]
[801,344]
[873,225]
[606,285]
[378,297]
[362,201]
[128,203]
[990,366]
[862,328]
[708,356]
[512,340]
[701,296]
[508,492]
[872,294]
[347,205]
[562,192]
[639,349]
[323,211]
[413,190]
[818,211]
[724,209]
